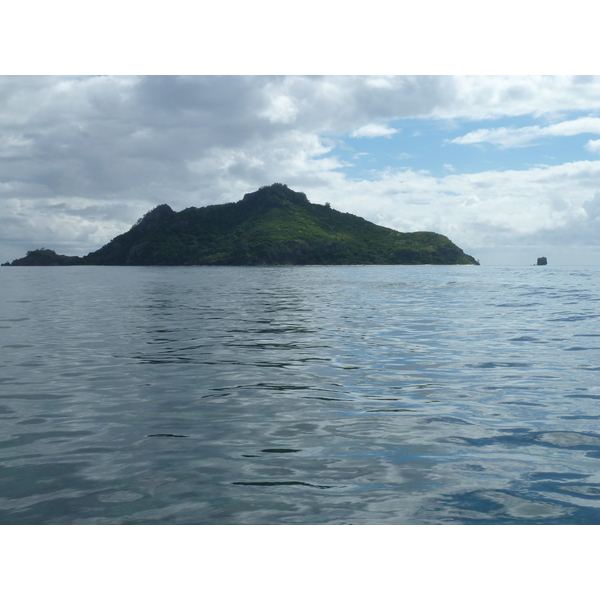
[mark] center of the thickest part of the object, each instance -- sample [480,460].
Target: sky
[508,167]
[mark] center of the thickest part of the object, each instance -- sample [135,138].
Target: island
[272,226]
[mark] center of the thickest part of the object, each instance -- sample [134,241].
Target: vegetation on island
[272,226]
[42,257]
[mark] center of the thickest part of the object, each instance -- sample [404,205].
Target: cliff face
[274,225]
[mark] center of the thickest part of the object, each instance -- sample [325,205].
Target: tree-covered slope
[271,226]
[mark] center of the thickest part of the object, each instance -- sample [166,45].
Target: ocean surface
[300,395]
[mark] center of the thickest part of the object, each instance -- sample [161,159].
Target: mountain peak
[276,193]
[153,217]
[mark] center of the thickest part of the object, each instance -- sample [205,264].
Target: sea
[362,395]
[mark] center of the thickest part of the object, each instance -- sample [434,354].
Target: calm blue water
[360,395]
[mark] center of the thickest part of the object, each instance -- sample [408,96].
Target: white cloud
[381,82]
[485,97]
[281,110]
[593,146]
[494,210]
[373,130]
[592,206]
[507,137]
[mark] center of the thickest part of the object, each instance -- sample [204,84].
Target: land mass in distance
[272,226]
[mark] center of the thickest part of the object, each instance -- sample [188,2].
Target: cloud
[593,146]
[281,110]
[14,146]
[507,137]
[373,130]
[490,209]
[592,207]
[483,97]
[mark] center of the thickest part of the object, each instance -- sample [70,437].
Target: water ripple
[299,395]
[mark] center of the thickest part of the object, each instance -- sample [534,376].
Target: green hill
[272,226]
[44,258]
